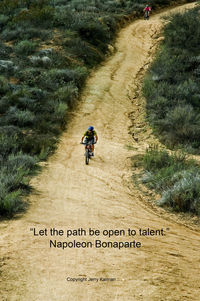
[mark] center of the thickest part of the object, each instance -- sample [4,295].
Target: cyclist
[90,135]
[147,10]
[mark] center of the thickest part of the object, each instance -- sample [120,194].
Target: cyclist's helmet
[91,128]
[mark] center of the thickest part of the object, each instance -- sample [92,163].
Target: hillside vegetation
[172,85]
[47,48]
[173,109]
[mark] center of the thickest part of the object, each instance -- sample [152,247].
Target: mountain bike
[146,15]
[88,153]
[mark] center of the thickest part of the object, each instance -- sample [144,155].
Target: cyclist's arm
[96,137]
[83,136]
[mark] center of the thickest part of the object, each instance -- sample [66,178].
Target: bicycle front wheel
[87,156]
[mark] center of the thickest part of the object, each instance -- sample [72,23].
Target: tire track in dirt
[101,195]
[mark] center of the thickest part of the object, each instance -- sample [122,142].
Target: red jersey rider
[147,10]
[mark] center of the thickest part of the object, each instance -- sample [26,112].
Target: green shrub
[60,113]
[37,16]
[10,202]
[48,123]
[38,3]
[25,47]
[24,98]
[14,181]
[24,32]
[3,20]
[36,93]
[61,109]
[17,179]
[11,140]
[55,78]
[20,160]
[38,144]
[8,7]
[5,51]
[189,91]
[163,178]
[29,76]
[63,17]
[84,51]
[185,23]
[4,86]
[38,61]
[93,32]
[59,2]
[175,177]
[18,117]
[60,61]
[79,76]
[182,124]
[4,103]
[7,67]
[184,195]
[156,159]
[67,94]
[172,85]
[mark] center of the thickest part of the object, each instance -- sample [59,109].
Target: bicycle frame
[146,14]
[87,151]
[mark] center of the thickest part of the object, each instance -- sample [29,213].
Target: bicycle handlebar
[87,143]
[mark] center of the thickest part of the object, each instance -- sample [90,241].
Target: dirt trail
[72,195]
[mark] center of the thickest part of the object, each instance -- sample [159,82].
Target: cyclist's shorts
[86,140]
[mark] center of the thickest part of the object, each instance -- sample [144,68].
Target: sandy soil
[71,195]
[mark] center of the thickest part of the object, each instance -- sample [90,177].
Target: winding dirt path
[102,196]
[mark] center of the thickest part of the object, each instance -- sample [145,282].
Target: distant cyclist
[90,136]
[147,10]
